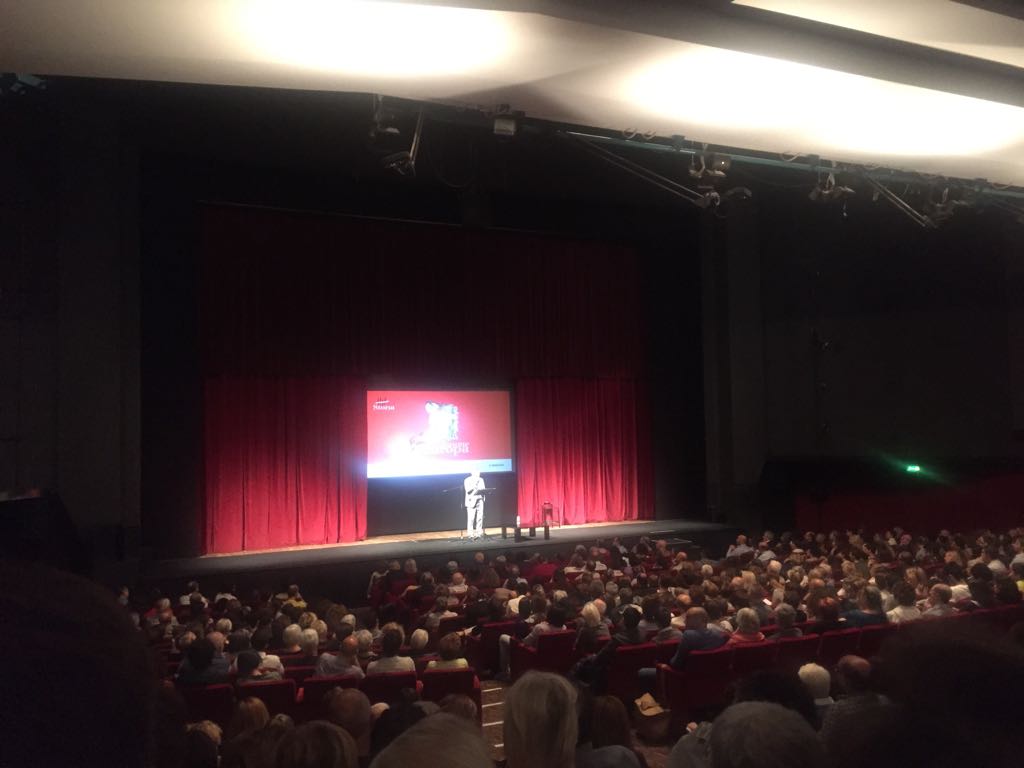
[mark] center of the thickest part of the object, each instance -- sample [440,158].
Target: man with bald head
[740,548]
[345,663]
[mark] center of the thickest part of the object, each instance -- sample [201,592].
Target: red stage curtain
[577,447]
[298,310]
[285,462]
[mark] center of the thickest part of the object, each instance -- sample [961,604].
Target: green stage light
[913,468]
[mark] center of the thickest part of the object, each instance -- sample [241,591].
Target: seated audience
[319,744]
[460,705]
[202,665]
[610,727]
[748,628]
[350,709]
[390,645]
[757,733]
[250,715]
[250,671]
[869,609]
[454,741]
[344,663]
[818,682]
[939,604]
[906,604]
[450,650]
[785,618]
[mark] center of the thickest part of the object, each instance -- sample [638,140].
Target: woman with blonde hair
[590,617]
[540,726]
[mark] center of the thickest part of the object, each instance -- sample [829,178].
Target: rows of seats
[704,682]
[305,700]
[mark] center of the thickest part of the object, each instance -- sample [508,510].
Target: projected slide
[436,432]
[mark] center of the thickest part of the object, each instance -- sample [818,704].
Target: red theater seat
[554,653]
[387,687]
[278,695]
[699,688]
[836,644]
[210,702]
[797,651]
[311,697]
[872,638]
[751,657]
[482,648]
[299,674]
[625,664]
[438,683]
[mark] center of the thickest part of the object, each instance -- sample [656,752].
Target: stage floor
[438,546]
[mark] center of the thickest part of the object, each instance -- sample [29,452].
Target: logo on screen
[442,421]
[383,405]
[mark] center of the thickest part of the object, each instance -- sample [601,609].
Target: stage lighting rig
[828,191]
[709,164]
[404,162]
[882,191]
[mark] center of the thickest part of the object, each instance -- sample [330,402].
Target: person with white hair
[818,682]
[291,640]
[309,648]
[458,587]
[748,627]
[590,616]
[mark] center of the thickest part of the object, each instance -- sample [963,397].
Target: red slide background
[484,421]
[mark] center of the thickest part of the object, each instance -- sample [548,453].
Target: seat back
[666,651]
[555,651]
[872,638]
[315,688]
[299,674]
[716,663]
[625,666]
[438,683]
[837,643]
[701,686]
[387,687]
[209,702]
[450,624]
[482,649]
[751,657]
[278,695]
[797,651]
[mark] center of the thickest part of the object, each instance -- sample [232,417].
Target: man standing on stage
[474,485]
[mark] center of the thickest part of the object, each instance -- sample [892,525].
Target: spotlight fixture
[704,164]
[828,191]
[384,119]
[404,162]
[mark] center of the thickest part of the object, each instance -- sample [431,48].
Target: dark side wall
[69,314]
[852,334]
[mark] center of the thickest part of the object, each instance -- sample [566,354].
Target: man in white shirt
[740,548]
[474,503]
[939,597]
[906,608]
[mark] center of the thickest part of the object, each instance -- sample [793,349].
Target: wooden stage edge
[429,547]
[494,533]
